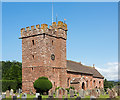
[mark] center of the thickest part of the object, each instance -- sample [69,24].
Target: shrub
[8,84]
[71,87]
[67,89]
[42,84]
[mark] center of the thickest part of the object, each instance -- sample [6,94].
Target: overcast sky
[92,31]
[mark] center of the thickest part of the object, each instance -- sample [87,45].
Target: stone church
[44,54]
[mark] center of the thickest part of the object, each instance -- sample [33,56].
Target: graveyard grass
[46,96]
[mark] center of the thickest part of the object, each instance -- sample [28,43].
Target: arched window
[99,83]
[94,83]
[52,42]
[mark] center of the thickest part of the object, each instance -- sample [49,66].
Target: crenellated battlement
[56,29]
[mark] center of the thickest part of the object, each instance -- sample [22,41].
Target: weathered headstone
[24,95]
[0,96]
[57,93]
[4,95]
[11,92]
[81,93]
[37,94]
[50,94]
[66,94]
[14,97]
[71,92]
[7,93]
[60,95]
[19,91]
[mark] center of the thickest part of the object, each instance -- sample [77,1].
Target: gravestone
[4,95]
[71,92]
[11,92]
[0,96]
[63,91]
[37,94]
[50,94]
[19,91]
[57,93]
[66,94]
[81,93]
[14,97]
[24,95]
[60,93]
[7,93]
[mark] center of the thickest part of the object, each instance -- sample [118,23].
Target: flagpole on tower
[52,11]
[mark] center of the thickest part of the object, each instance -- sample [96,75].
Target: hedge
[8,84]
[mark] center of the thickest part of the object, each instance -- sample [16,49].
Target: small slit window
[33,42]
[32,68]
[43,35]
[33,56]
[52,42]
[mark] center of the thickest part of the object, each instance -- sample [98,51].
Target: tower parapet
[58,30]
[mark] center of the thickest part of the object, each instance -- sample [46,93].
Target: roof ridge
[80,63]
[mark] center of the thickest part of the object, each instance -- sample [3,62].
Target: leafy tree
[12,71]
[42,84]
[108,84]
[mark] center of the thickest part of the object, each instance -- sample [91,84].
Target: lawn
[46,96]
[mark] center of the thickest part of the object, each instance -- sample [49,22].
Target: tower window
[33,56]
[33,42]
[32,68]
[52,42]
[43,35]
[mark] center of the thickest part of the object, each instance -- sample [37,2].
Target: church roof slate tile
[80,68]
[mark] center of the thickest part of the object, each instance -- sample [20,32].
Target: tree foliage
[42,84]
[12,71]
[108,84]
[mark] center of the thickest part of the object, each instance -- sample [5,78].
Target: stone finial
[60,24]
[50,27]
[54,24]
[22,30]
[27,28]
[37,26]
[32,27]
[65,25]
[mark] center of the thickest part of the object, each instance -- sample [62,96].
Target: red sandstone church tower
[44,54]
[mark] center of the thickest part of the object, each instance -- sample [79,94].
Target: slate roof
[80,68]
